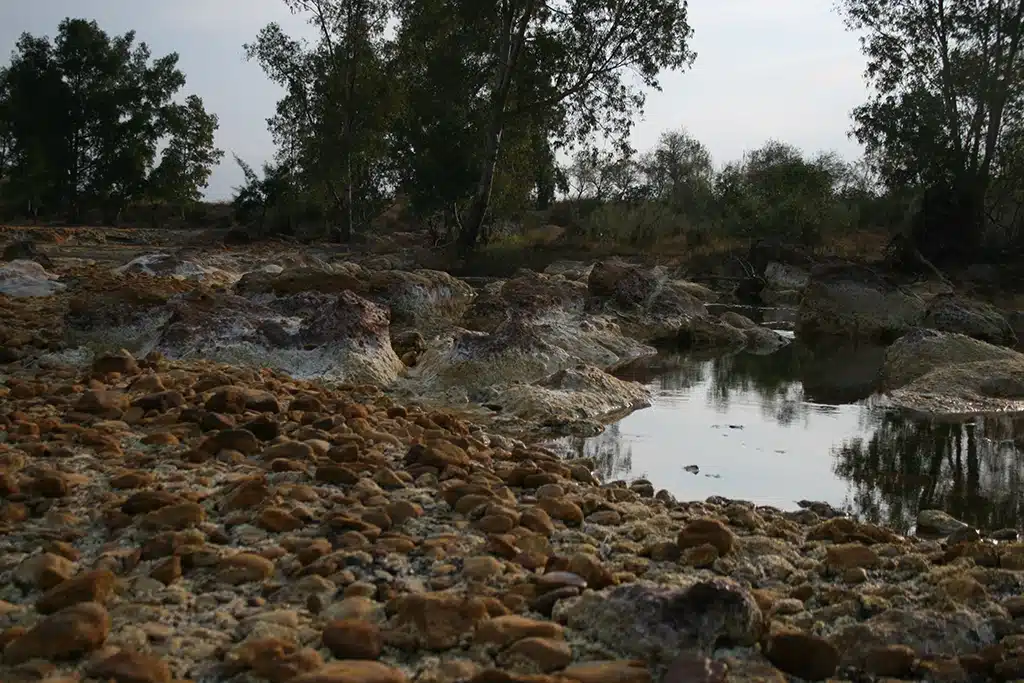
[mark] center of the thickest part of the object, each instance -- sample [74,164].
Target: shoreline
[295,527]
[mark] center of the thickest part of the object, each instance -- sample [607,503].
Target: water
[807,424]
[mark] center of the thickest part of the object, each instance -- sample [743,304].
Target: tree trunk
[469,232]
[509,48]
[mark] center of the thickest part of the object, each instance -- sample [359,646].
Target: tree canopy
[89,122]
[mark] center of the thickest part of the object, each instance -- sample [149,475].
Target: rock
[649,622]
[43,571]
[120,361]
[25,250]
[244,568]
[21,278]
[706,531]
[352,671]
[620,671]
[890,661]
[851,556]
[543,654]
[803,655]
[505,630]
[127,666]
[921,351]
[854,301]
[71,632]
[435,621]
[953,313]
[937,522]
[353,639]
[93,586]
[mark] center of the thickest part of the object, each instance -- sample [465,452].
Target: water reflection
[805,423]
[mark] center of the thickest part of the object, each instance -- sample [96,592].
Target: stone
[93,586]
[435,621]
[619,671]
[710,531]
[71,632]
[851,556]
[353,639]
[546,654]
[352,671]
[937,522]
[44,571]
[244,568]
[505,630]
[646,621]
[803,655]
[481,568]
[127,666]
[890,661]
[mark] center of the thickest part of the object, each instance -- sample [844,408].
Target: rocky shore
[176,510]
[191,521]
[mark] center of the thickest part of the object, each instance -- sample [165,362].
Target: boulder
[580,393]
[25,250]
[923,350]
[953,313]
[177,266]
[420,298]
[338,337]
[946,373]
[24,278]
[844,300]
[654,623]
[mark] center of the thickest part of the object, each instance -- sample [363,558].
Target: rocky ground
[166,517]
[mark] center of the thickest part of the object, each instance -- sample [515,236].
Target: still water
[807,424]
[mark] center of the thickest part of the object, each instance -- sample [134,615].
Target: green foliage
[82,118]
[946,81]
[331,127]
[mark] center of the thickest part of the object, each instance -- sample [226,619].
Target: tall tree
[946,79]
[83,117]
[564,62]
[328,126]
[188,160]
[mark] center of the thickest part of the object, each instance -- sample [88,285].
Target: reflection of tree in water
[773,379]
[972,471]
[612,459]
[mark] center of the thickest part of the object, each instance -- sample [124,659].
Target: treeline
[89,126]
[477,119]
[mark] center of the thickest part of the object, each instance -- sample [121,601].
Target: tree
[189,158]
[83,117]
[946,77]
[680,173]
[776,192]
[566,66]
[331,125]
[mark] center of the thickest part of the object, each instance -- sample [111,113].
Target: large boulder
[854,301]
[953,313]
[24,278]
[945,373]
[655,623]
[580,393]
[420,298]
[645,302]
[339,337]
[333,337]
[178,266]
[527,294]
[923,350]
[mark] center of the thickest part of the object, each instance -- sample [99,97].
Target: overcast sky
[783,69]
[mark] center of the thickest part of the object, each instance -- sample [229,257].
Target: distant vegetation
[491,122]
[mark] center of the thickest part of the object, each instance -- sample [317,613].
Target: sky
[765,69]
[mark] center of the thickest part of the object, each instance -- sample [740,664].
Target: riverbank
[192,521]
[169,517]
